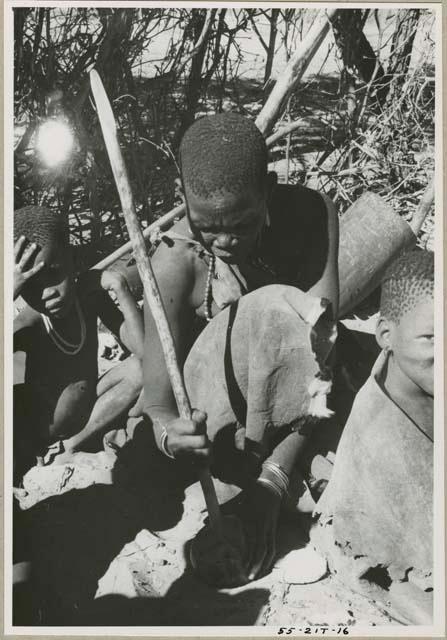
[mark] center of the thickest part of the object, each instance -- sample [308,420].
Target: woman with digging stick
[259,372]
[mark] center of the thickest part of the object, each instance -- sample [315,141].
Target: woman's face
[228,224]
[412,345]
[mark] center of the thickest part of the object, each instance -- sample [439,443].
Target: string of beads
[209,287]
[69,348]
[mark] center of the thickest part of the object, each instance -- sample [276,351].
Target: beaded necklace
[208,298]
[61,343]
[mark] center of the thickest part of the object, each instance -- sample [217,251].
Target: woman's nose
[48,293]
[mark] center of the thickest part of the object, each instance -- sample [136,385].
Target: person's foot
[115,440]
[58,453]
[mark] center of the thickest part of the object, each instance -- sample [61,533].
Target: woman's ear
[383,334]
[178,191]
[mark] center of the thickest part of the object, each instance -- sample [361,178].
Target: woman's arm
[124,320]
[175,274]
[131,328]
[328,285]
[263,501]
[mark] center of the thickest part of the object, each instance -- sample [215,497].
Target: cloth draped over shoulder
[377,510]
[261,364]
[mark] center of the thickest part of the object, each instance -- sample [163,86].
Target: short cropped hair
[223,152]
[40,224]
[408,281]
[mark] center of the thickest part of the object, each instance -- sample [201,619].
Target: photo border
[440,242]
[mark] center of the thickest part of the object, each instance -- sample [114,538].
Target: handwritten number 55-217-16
[287,631]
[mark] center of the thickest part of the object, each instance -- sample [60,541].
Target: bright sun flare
[54,142]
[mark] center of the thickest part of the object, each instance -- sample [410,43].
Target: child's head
[406,324]
[223,161]
[50,291]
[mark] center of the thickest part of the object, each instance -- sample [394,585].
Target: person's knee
[134,374]
[127,374]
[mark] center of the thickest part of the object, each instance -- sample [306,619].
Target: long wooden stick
[108,126]
[294,71]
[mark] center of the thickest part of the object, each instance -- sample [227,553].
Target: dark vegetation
[369,125]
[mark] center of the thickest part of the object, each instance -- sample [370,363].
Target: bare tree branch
[293,72]
[201,39]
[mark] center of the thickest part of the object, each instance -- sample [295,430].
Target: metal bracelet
[269,483]
[278,472]
[164,445]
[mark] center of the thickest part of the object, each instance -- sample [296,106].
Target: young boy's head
[406,324]
[50,291]
[223,160]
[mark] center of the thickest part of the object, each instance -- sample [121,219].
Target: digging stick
[108,126]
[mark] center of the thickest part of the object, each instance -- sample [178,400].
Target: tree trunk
[194,83]
[20,15]
[400,54]
[218,52]
[357,54]
[271,44]
[37,37]
[113,51]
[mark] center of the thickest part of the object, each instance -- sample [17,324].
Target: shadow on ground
[74,537]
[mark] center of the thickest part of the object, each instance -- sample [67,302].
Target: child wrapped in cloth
[375,521]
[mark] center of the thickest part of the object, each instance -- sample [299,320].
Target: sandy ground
[102,568]
[109,551]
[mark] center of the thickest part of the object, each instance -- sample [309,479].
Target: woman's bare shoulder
[178,267]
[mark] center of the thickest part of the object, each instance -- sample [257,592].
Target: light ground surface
[143,578]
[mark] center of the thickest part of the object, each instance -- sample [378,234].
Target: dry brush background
[361,116]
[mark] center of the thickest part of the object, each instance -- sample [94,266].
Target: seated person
[61,398]
[375,521]
[241,233]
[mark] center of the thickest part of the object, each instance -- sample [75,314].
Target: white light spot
[54,142]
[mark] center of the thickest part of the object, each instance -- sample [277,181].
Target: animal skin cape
[261,365]
[377,510]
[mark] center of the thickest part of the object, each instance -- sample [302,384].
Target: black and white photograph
[223,319]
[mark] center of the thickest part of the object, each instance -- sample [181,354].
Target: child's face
[228,224]
[51,290]
[412,346]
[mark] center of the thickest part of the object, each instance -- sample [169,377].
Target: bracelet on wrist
[271,485]
[274,474]
[162,443]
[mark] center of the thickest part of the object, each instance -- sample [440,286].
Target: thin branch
[256,30]
[201,39]
[424,207]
